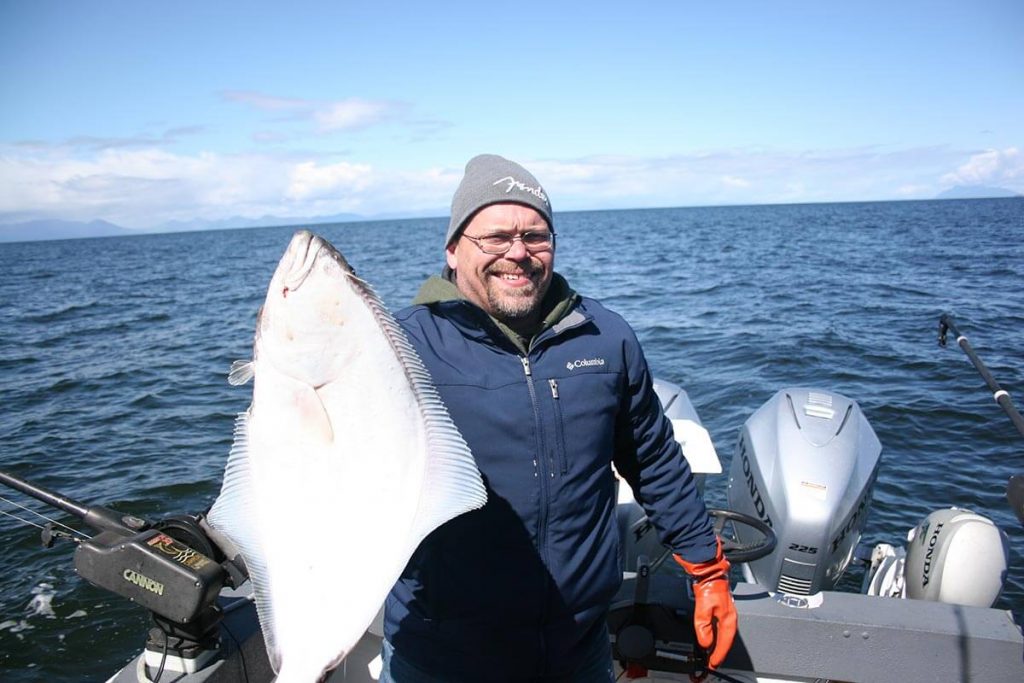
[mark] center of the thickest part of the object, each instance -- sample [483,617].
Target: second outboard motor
[805,464]
[958,557]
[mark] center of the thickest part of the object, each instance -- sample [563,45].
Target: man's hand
[714,614]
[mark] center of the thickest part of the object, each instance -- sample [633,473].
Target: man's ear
[449,254]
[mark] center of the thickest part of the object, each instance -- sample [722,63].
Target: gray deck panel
[852,637]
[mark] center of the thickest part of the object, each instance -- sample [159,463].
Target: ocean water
[114,354]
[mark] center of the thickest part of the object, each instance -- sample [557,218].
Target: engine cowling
[956,556]
[805,464]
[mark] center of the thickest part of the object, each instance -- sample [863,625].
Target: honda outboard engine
[805,464]
[958,557]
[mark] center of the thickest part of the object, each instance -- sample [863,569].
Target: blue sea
[114,354]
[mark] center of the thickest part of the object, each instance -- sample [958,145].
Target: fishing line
[23,521]
[40,515]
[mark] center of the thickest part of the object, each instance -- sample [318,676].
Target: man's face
[508,286]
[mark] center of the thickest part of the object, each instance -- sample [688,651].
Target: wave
[18,362]
[63,313]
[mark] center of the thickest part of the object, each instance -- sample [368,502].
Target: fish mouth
[306,248]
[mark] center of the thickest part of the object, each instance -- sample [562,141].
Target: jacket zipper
[536,416]
[559,429]
[538,464]
[538,459]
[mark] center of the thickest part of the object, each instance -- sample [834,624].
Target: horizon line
[316,220]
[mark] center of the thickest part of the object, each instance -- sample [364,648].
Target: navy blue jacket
[517,590]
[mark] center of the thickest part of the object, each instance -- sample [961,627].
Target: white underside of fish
[333,482]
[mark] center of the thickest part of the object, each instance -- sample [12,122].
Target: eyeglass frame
[550,246]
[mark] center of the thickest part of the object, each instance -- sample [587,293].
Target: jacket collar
[560,307]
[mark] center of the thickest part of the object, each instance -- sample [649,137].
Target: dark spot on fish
[284,292]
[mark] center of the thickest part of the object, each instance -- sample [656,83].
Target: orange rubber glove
[714,614]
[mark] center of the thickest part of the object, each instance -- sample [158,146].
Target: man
[549,389]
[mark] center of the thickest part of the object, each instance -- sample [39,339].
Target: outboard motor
[636,534]
[805,464]
[956,556]
[698,449]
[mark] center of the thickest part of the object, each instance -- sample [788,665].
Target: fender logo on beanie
[491,179]
[537,192]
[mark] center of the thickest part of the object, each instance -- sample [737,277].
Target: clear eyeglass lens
[499,243]
[537,239]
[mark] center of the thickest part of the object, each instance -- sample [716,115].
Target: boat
[799,493]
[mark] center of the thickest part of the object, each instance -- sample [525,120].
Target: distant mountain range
[28,231]
[59,230]
[264,222]
[976,192]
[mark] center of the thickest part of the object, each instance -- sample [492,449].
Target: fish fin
[233,514]
[241,372]
[452,484]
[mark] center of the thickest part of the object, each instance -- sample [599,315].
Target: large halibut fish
[344,462]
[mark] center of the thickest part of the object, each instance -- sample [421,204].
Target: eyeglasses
[500,242]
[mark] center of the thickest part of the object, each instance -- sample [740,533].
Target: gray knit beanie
[491,179]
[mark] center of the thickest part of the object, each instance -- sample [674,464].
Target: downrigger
[170,567]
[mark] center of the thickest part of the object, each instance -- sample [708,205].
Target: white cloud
[354,114]
[911,190]
[268,137]
[742,176]
[347,114]
[96,143]
[309,180]
[265,102]
[991,167]
[733,181]
[146,187]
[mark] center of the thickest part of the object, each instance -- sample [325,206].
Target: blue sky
[142,113]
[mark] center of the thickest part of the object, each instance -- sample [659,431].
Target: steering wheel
[735,551]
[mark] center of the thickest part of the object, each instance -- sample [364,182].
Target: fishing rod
[1015,485]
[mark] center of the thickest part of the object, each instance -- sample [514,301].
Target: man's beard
[516,305]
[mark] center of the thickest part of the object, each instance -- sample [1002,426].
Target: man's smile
[517,279]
